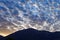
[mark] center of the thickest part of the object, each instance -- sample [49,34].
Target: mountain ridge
[32,34]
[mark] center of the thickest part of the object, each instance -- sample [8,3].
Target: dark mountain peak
[29,34]
[32,34]
[1,37]
[29,31]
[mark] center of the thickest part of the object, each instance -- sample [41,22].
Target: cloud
[23,14]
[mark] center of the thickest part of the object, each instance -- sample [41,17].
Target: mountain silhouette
[29,34]
[55,35]
[1,37]
[32,34]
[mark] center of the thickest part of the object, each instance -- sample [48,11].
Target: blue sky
[23,12]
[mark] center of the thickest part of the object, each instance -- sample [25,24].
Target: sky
[17,15]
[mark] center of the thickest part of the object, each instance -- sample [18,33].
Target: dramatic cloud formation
[22,14]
